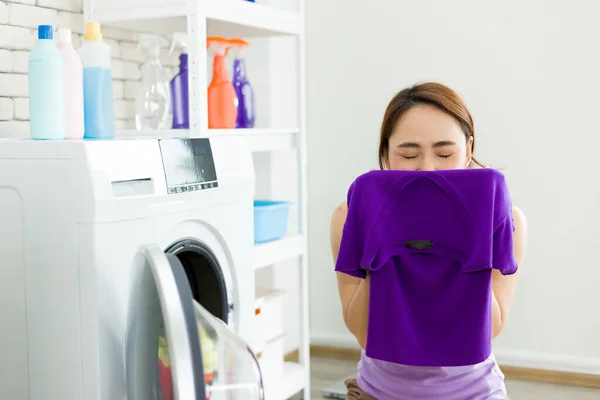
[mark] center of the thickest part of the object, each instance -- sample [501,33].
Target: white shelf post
[303,202]
[197,58]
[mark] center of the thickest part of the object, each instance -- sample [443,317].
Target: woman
[425,127]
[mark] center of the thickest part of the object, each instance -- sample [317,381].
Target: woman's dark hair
[432,94]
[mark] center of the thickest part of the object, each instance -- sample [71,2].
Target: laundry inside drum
[230,368]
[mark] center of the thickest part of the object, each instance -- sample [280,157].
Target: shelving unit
[223,17]
[284,389]
[234,18]
[259,139]
[271,253]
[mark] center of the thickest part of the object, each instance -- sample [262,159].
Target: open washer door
[175,349]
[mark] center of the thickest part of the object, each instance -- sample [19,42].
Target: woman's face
[427,139]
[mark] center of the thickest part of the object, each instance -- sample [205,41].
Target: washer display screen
[188,164]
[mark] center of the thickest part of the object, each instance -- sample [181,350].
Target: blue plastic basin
[270,220]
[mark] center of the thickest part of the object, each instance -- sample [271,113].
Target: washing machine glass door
[231,370]
[162,317]
[175,348]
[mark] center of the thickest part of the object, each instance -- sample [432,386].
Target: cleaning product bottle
[153,100]
[246,111]
[47,101]
[99,111]
[222,100]
[73,85]
[179,85]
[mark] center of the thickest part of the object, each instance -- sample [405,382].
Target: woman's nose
[427,164]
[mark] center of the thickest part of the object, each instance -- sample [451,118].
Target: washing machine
[125,266]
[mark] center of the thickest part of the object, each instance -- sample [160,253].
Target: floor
[326,371]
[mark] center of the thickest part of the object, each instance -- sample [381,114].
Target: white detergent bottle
[47,105]
[99,111]
[73,85]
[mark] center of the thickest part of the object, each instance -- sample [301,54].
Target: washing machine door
[175,349]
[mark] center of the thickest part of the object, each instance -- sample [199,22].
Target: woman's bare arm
[504,286]
[354,292]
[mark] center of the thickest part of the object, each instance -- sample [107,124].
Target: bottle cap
[92,31]
[45,32]
[63,35]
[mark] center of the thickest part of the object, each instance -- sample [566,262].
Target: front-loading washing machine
[122,264]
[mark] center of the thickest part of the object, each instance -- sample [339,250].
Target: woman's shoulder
[338,218]
[519,217]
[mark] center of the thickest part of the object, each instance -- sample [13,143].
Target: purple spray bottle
[179,85]
[246,112]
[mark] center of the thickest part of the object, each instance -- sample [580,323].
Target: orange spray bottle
[222,99]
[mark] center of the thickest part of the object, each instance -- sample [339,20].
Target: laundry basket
[270,220]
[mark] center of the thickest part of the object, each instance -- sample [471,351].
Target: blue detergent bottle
[47,93]
[99,112]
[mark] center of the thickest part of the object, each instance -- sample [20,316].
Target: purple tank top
[384,380]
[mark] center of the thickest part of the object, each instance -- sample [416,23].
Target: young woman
[425,127]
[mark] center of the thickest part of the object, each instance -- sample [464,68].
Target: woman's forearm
[497,323]
[357,313]
[504,286]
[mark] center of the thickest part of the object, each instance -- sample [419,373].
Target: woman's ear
[469,159]
[386,163]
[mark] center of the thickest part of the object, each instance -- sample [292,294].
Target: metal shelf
[263,139]
[281,250]
[232,18]
[259,139]
[292,382]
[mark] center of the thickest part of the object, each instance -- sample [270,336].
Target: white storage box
[271,359]
[269,316]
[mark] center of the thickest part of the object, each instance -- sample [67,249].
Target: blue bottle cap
[45,32]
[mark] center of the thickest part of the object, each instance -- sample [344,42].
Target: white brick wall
[6,61]
[6,109]
[21,108]
[18,23]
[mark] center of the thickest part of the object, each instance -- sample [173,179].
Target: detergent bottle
[222,100]
[47,98]
[98,103]
[74,85]
[179,85]
[153,100]
[246,110]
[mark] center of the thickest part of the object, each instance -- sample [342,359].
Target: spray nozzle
[238,45]
[152,44]
[218,44]
[180,39]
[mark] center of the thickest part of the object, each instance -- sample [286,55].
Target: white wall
[530,71]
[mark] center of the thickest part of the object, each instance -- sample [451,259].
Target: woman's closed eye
[412,157]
